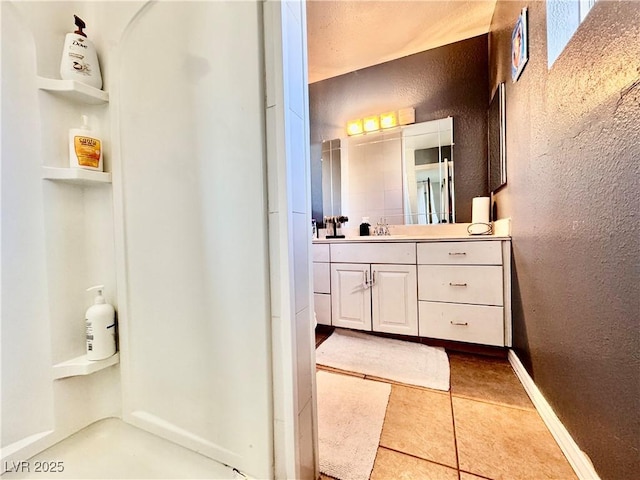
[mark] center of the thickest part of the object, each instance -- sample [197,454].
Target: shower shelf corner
[82,366]
[76,176]
[74,91]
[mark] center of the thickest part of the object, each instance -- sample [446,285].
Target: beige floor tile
[390,465]
[488,379]
[470,476]
[419,422]
[505,443]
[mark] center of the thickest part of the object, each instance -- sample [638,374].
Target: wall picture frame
[497,161]
[519,46]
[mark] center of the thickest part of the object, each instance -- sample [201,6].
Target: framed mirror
[497,140]
[403,175]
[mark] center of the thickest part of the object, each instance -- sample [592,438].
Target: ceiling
[347,35]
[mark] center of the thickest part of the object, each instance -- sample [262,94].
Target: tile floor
[485,427]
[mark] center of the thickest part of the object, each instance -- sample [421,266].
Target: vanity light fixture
[407,116]
[388,120]
[383,121]
[371,124]
[354,127]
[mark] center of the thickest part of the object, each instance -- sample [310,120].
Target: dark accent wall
[573,156]
[446,81]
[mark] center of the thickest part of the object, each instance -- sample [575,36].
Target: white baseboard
[576,457]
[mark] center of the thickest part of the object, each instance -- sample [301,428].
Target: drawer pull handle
[462,324]
[457,284]
[457,253]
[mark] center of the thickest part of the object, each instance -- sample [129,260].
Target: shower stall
[199,229]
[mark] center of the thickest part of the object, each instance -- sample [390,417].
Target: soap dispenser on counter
[364,227]
[100,322]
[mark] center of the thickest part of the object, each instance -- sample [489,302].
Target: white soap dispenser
[79,58]
[100,324]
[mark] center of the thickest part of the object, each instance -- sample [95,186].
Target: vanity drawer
[460,253]
[463,323]
[321,278]
[480,284]
[320,252]
[402,253]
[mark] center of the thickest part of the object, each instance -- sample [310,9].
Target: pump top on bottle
[99,299]
[79,58]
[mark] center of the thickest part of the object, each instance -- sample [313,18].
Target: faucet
[382,228]
[333,223]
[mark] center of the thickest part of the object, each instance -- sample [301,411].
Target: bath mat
[350,416]
[390,359]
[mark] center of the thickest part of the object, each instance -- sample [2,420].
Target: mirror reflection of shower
[428,172]
[331,178]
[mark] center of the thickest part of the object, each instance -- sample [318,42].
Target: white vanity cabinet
[321,283]
[463,291]
[377,289]
[449,289]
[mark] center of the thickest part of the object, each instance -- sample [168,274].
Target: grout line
[455,437]
[476,475]
[417,457]
[498,404]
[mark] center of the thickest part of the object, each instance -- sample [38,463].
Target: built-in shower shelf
[82,366]
[77,176]
[75,91]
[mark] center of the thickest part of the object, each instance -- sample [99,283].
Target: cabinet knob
[457,284]
[457,253]
[461,324]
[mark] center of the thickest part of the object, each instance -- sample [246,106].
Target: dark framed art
[519,46]
[497,140]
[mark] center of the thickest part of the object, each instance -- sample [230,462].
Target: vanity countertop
[425,233]
[409,238]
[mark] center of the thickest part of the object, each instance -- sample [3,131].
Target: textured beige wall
[573,143]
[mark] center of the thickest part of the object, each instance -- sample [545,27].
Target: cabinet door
[350,296]
[394,299]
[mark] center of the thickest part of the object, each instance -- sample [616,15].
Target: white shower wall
[209,270]
[57,240]
[191,169]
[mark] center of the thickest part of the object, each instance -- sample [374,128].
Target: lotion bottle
[85,148]
[100,322]
[79,58]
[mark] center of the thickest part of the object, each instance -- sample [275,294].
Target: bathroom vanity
[452,288]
